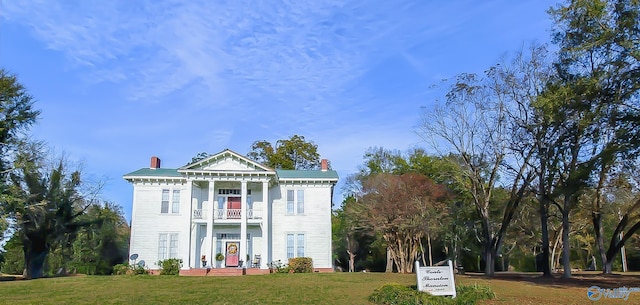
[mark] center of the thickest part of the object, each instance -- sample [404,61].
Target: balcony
[226,214]
[200,214]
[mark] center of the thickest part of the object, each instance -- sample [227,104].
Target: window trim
[170,201]
[296,244]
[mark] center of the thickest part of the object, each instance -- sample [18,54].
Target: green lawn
[328,288]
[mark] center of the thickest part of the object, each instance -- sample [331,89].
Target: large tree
[293,153]
[395,206]
[476,123]
[597,97]
[45,203]
[17,114]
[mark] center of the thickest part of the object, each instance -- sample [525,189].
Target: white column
[266,247]
[188,252]
[209,251]
[243,222]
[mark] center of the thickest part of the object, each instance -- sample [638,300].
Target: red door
[233,253]
[233,207]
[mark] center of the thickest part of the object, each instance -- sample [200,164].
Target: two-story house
[232,207]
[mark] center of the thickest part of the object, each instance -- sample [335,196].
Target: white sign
[436,280]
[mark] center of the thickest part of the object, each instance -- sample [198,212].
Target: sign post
[436,280]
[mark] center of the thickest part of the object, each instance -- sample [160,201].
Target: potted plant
[219,259]
[203,259]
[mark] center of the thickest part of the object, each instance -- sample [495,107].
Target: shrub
[170,266]
[396,294]
[301,264]
[278,267]
[121,269]
[138,270]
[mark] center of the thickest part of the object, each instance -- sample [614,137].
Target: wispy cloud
[288,52]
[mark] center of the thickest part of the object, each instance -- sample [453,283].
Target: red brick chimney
[324,165]
[155,162]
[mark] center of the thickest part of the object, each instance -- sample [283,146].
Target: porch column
[266,246]
[243,222]
[209,250]
[188,252]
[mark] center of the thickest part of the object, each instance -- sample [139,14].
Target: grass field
[326,288]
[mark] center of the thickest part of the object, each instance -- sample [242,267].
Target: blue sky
[119,81]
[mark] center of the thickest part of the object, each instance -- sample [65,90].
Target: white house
[228,204]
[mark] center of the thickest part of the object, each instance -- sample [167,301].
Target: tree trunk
[566,246]
[607,268]
[352,258]
[430,249]
[35,253]
[424,262]
[489,262]
[544,216]
[389,267]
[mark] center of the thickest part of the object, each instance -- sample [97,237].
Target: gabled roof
[219,157]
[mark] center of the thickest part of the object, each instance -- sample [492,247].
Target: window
[173,245]
[167,246]
[295,245]
[300,202]
[289,202]
[175,202]
[300,246]
[165,202]
[162,246]
[290,245]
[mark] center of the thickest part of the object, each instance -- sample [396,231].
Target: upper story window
[295,202]
[290,202]
[175,202]
[164,208]
[300,201]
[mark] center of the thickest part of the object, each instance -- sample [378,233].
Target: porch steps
[217,272]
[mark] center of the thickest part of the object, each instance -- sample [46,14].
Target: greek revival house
[234,209]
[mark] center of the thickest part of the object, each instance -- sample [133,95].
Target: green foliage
[139,270]
[102,244]
[170,266]
[301,264]
[292,153]
[13,257]
[121,269]
[396,294]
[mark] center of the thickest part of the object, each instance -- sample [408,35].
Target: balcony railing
[200,214]
[232,214]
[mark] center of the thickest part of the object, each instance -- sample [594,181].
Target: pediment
[224,161]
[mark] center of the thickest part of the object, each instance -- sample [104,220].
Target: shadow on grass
[578,279]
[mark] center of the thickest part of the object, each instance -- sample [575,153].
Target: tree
[200,156]
[45,204]
[599,80]
[293,153]
[104,242]
[17,114]
[475,124]
[394,206]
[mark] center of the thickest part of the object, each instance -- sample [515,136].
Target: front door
[233,207]
[233,254]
